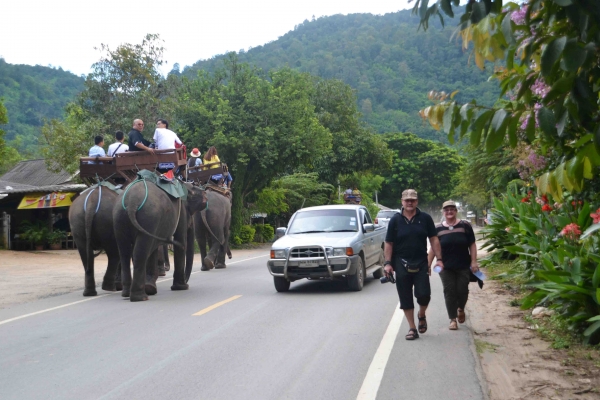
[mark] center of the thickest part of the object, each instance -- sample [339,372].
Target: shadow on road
[325,286]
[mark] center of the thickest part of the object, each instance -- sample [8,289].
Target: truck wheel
[356,281]
[379,273]
[281,284]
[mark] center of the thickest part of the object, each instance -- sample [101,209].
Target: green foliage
[264,233]
[35,232]
[564,269]
[125,84]
[56,236]
[32,95]
[553,90]
[383,57]
[8,155]
[247,233]
[429,167]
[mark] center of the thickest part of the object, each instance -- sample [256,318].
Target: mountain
[390,63]
[32,94]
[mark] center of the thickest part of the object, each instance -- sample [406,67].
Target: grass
[482,346]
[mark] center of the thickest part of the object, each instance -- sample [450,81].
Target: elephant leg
[189,254]
[89,281]
[108,283]
[211,257]
[166,255]
[125,251]
[141,251]
[161,261]
[202,241]
[152,273]
[221,258]
[118,281]
[179,256]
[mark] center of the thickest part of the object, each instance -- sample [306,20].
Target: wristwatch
[387,263]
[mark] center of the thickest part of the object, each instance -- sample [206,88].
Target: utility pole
[376,199]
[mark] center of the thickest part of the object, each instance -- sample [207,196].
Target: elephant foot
[90,292]
[118,286]
[209,263]
[167,267]
[161,271]
[151,289]
[204,268]
[138,297]
[180,286]
[108,286]
[220,266]
[126,292]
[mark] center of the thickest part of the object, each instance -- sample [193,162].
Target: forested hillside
[32,94]
[385,58]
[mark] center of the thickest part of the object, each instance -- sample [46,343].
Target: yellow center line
[219,304]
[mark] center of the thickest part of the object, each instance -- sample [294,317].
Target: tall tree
[124,84]
[260,125]
[8,155]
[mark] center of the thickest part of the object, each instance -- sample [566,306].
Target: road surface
[232,336]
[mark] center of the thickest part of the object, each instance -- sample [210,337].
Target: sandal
[423,325]
[412,334]
[453,325]
[461,315]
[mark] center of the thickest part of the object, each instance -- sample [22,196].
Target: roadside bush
[544,238]
[264,233]
[247,233]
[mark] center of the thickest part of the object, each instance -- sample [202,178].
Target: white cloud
[64,32]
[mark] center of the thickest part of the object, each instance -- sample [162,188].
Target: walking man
[405,252]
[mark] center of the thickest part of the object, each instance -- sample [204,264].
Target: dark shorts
[405,282]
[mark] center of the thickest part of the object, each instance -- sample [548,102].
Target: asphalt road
[246,341]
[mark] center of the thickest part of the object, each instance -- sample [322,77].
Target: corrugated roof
[35,173]
[15,186]
[73,187]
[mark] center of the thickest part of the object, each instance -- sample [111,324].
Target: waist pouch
[410,268]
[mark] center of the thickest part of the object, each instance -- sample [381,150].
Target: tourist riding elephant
[144,218]
[212,226]
[91,220]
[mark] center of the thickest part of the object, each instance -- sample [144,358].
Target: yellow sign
[46,200]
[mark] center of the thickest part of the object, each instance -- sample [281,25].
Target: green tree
[8,155]
[124,84]
[262,126]
[429,167]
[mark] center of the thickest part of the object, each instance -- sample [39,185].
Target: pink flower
[596,216]
[518,16]
[571,231]
[507,229]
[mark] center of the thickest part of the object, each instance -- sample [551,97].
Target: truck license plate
[308,264]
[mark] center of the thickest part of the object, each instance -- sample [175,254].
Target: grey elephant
[90,217]
[212,227]
[144,218]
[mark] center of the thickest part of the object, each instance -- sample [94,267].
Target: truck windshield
[324,221]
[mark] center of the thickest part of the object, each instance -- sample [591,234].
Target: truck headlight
[277,253]
[339,252]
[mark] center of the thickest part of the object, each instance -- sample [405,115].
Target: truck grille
[306,252]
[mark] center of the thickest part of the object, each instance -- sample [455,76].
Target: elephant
[163,260]
[145,217]
[91,220]
[215,231]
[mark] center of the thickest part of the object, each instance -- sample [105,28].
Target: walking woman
[459,251]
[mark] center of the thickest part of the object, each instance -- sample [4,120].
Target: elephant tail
[131,212]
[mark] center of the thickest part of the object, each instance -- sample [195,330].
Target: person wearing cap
[195,159]
[459,251]
[405,252]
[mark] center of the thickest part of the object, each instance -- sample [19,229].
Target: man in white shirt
[118,146]
[164,137]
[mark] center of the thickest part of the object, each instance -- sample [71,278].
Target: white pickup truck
[328,242]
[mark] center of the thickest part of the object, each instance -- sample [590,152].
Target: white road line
[6,321]
[370,386]
[53,308]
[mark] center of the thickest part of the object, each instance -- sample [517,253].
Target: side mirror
[369,227]
[280,232]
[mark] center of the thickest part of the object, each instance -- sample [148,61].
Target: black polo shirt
[135,136]
[455,244]
[409,237]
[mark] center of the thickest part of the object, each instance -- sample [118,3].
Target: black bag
[410,268]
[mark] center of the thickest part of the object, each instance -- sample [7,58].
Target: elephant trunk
[131,212]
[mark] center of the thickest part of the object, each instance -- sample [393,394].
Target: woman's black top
[455,244]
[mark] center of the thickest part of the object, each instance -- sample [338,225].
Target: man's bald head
[138,124]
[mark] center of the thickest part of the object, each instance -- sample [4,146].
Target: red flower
[596,216]
[545,199]
[546,207]
[571,231]
[525,200]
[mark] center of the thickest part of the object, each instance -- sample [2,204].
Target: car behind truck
[328,242]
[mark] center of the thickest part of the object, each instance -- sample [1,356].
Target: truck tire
[281,284]
[379,273]
[357,281]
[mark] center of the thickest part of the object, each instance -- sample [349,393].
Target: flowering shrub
[563,265]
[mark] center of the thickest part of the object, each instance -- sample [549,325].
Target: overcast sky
[64,32]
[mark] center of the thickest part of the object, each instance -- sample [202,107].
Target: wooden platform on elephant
[123,167]
[202,173]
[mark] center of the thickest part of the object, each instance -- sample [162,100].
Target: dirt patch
[517,363]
